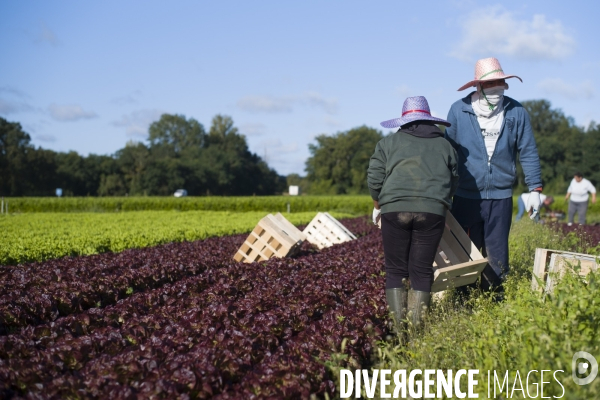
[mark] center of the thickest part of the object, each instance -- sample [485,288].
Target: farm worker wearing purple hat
[489,130]
[412,176]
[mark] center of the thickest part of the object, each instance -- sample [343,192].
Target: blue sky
[90,76]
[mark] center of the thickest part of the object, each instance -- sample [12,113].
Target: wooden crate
[324,231]
[550,265]
[458,262]
[273,236]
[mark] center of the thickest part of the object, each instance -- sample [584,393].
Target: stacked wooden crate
[324,231]
[273,236]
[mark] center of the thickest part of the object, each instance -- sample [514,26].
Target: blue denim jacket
[480,179]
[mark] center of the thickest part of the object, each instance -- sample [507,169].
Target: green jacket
[413,174]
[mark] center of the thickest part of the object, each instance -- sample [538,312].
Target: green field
[43,236]
[358,205]
[526,331]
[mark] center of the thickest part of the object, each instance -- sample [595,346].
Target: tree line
[338,163]
[180,154]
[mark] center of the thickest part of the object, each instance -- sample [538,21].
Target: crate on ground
[458,262]
[324,231]
[549,265]
[273,236]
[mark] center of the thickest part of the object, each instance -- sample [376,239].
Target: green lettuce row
[357,205]
[44,236]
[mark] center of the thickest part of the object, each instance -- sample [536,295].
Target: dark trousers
[410,242]
[487,222]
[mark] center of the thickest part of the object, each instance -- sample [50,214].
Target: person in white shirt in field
[578,192]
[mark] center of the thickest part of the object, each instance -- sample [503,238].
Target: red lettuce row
[41,292]
[222,333]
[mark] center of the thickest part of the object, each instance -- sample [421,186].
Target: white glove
[533,204]
[376,216]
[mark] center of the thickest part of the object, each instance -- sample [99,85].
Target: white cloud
[494,31]
[69,112]
[253,129]
[137,122]
[286,104]
[573,91]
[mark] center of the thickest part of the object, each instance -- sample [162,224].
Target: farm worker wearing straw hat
[489,130]
[412,176]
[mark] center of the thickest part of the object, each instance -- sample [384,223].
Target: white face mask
[487,102]
[494,95]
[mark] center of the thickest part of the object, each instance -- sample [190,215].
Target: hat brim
[398,122]
[494,78]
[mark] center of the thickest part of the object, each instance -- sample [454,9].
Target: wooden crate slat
[273,236]
[539,267]
[324,231]
[439,262]
[455,282]
[290,229]
[462,237]
[563,262]
[460,269]
[549,265]
[256,246]
[261,243]
[464,262]
[552,264]
[323,226]
[455,253]
[340,226]
[276,230]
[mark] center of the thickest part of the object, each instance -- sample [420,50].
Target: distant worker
[524,198]
[578,193]
[411,177]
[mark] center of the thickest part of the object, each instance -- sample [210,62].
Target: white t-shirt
[525,197]
[579,190]
[490,129]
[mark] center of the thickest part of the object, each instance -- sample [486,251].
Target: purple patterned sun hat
[414,109]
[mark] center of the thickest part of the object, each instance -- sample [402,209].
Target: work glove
[533,204]
[376,216]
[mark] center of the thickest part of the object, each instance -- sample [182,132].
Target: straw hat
[414,109]
[487,69]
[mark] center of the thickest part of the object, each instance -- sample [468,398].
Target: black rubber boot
[397,299]
[418,304]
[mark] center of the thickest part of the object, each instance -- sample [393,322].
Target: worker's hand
[376,215]
[533,204]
